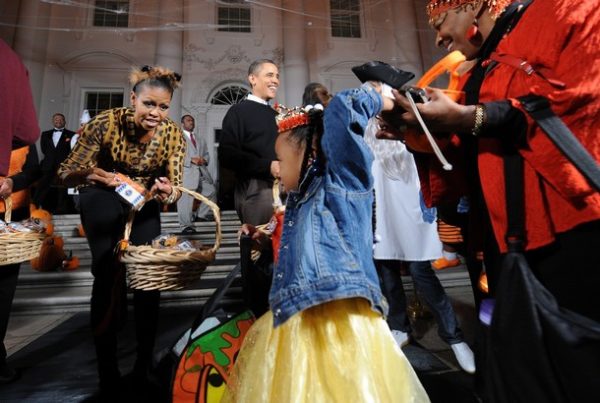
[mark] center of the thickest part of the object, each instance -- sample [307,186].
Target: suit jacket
[53,157]
[199,150]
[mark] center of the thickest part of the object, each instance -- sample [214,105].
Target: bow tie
[58,130]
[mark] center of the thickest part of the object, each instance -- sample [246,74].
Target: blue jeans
[429,287]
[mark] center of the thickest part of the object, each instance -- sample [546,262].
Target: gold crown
[290,118]
[436,8]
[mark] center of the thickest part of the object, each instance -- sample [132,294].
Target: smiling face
[290,155]
[265,81]
[151,105]
[58,121]
[452,31]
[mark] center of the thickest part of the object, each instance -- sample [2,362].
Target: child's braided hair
[309,135]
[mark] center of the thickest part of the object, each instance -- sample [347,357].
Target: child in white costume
[325,339]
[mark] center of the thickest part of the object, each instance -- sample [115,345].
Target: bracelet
[479,119]
[172,197]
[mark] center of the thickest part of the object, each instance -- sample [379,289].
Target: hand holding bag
[537,351]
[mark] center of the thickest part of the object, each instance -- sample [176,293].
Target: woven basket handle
[215,209]
[8,208]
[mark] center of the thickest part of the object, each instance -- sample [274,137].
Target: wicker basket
[17,247]
[150,268]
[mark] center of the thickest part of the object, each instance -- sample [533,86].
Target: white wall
[84,58]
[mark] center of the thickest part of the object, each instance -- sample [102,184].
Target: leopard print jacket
[109,142]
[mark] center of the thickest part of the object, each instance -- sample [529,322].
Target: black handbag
[537,351]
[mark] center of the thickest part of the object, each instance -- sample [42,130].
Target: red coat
[18,120]
[560,38]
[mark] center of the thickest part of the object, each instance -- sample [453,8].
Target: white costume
[401,232]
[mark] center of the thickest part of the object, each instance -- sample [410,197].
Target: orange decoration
[44,216]
[81,231]
[51,255]
[122,245]
[17,159]
[483,283]
[450,64]
[70,263]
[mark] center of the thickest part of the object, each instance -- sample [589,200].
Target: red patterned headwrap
[436,9]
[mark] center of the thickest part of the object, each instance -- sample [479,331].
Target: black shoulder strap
[515,201]
[538,108]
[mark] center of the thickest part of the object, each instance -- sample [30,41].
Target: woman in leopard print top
[142,143]
[111,142]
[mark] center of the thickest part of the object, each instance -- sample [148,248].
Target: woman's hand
[441,114]
[162,189]
[98,176]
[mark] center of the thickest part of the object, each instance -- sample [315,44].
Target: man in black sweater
[247,145]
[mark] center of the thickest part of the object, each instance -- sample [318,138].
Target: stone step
[66,220]
[70,291]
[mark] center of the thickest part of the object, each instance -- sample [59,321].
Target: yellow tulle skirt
[341,351]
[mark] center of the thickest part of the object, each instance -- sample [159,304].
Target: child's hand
[388,103]
[260,240]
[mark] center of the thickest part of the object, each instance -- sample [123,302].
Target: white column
[31,43]
[407,45]
[295,63]
[169,48]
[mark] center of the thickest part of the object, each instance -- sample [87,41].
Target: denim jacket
[326,250]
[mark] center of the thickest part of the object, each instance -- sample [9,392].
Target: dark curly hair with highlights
[154,76]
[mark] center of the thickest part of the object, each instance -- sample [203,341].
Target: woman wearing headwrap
[546,48]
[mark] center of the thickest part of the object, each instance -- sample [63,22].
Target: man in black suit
[56,146]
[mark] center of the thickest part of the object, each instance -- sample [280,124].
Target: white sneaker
[400,337]
[464,356]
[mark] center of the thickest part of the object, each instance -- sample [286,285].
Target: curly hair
[154,76]
[315,93]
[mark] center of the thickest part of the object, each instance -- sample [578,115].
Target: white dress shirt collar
[252,97]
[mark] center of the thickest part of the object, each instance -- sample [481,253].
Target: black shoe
[9,375]
[205,219]
[189,230]
[380,71]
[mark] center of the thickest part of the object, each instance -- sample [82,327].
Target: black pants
[254,201]
[469,247]
[103,216]
[9,276]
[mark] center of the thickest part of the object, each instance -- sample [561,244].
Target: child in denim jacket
[325,338]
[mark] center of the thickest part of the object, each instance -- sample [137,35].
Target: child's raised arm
[348,157]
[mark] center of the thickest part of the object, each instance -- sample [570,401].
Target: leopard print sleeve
[175,160]
[86,149]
